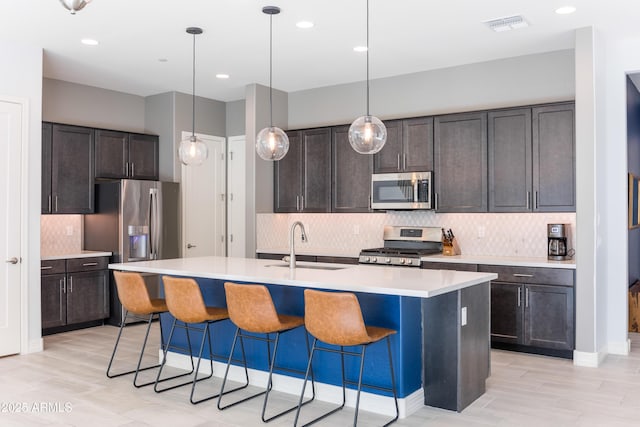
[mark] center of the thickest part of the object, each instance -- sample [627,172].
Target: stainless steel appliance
[404,246]
[558,242]
[408,190]
[136,220]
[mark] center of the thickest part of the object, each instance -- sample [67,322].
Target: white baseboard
[621,348]
[35,345]
[325,392]
[588,359]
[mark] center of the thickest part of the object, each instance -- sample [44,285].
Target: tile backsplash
[60,234]
[493,234]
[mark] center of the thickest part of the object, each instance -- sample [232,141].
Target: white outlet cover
[463,316]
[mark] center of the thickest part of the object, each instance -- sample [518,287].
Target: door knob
[189,246]
[12,260]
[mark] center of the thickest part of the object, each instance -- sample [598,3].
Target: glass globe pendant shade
[192,151]
[272,143]
[367,134]
[74,5]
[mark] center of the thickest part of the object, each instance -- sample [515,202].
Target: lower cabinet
[74,292]
[532,309]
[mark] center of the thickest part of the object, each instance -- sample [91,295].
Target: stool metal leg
[393,384]
[205,336]
[164,361]
[226,373]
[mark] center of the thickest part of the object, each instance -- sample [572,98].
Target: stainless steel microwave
[408,190]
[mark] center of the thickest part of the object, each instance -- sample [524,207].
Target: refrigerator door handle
[153,223]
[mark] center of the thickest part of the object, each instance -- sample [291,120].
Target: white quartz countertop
[501,260]
[403,281]
[300,250]
[81,254]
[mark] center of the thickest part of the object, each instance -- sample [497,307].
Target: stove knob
[374,260]
[365,259]
[387,260]
[402,260]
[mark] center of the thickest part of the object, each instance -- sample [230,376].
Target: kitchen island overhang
[426,307]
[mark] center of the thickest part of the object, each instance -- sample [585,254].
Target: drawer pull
[522,275]
[48,267]
[89,264]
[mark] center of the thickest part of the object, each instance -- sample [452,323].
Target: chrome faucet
[292,255]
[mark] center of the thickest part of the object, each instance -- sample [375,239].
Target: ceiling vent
[507,23]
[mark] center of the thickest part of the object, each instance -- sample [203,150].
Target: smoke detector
[508,23]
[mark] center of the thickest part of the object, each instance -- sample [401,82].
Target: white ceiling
[405,36]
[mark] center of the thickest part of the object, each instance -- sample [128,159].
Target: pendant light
[367,134]
[193,151]
[271,142]
[74,5]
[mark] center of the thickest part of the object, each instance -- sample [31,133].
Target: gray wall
[76,104]
[159,120]
[236,117]
[507,82]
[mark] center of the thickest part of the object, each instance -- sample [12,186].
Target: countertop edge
[82,254]
[540,262]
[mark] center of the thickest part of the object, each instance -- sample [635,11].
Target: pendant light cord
[368,58]
[193,101]
[270,70]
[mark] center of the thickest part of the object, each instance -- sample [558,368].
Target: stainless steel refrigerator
[137,221]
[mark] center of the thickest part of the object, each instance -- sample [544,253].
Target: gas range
[403,246]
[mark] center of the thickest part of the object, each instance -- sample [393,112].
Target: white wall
[23,79]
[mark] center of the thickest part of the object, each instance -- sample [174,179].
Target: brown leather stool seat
[335,318]
[137,304]
[252,310]
[186,305]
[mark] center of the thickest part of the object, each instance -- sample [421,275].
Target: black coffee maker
[558,242]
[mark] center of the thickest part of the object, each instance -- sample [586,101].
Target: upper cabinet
[302,179]
[126,155]
[554,158]
[460,162]
[409,146]
[532,159]
[67,169]
[510,160]
[351,175]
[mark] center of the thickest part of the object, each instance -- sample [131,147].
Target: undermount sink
[312,267]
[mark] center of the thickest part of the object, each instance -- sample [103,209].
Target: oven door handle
[415,191]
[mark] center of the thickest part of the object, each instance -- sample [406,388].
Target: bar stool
[335,318]
[185,303]
[137,304]
[252,310]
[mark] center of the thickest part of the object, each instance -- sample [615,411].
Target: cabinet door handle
[49,203]
[63,283]
[301,203]
[535,200]
[231,238]
[526,297]
[398,161]
[89,264]
[71,284]
[519,297]
[404,161]
[435,204]
[297,203]
[48,267]
[528,200]
[126,169]
[133,169]
[522,275]
[56,203]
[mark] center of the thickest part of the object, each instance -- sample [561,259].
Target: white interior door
[236,197]
[10,283]
[203,202]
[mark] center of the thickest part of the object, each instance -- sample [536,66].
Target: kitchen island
[441,350]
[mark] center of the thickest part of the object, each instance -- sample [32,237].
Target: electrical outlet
[481,231]
[69,230]
[463,316]
[356,230]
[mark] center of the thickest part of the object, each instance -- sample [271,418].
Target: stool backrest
[334,317]
[184,299]
[251,307]
[132,292]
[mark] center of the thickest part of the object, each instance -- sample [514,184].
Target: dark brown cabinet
[351,181]
[554,158]
[67,169]
[409,146]
[126,155]
[460,162]
[74,292]
[510,160]
[532,159]
[302,179]
[532,308]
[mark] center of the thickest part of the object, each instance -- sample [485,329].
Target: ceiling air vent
[507,23]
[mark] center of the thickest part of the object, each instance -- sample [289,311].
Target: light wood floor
[524,390]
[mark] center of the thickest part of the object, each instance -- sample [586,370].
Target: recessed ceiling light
[222,76]
[508,23]
[304,24]
[360,49]
[89,42]
[163,60]
[565,10]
